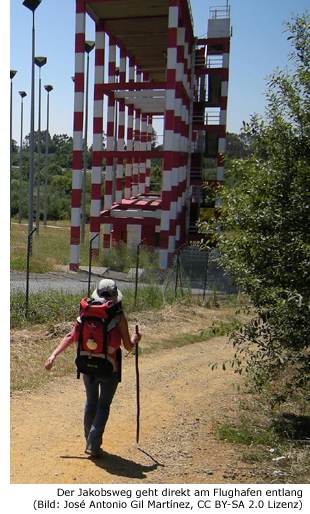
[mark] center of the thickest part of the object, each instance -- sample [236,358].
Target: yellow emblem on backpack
[91,344]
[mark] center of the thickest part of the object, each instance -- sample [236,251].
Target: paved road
[69,282]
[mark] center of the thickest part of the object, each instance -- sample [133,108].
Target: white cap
[107,290]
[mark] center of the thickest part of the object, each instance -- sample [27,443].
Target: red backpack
[92,348]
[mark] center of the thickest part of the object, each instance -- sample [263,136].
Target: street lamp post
[22,96]
[32,5]
[47,88]
[89,45]
[12,75]
[40,62]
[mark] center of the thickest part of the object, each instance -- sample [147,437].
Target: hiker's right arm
[66,341]
[128,342]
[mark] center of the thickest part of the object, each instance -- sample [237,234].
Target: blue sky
[258,46]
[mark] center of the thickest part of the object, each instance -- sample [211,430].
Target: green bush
[48,306]
[263,231]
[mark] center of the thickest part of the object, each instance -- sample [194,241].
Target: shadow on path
[116,465]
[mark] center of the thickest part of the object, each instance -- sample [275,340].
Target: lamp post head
[32,4]
[22,93]
[48,88]
[40,61]
[73,79]
[12,74]
[89,45]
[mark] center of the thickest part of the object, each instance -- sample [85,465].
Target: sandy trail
[181,401]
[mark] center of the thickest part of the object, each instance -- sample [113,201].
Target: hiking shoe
[95,454]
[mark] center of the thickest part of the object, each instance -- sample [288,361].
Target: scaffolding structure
[149,64]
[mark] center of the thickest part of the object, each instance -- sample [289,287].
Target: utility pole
[89,45]
[39,61]
[32,5]
[22,96]
[47,88]
[12,75]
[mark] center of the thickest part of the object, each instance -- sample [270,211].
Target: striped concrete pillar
[131,70]
[121,132]
[149,148]
[223,114]
[130,118]
[140,165]
[181,103]
[181,130]
[143,147]
[170,144]
[108,193]
[77,158]
[97,138]
[128,177]
[136,159]
[185,178]
[120,147]
[122,66]
[148,144]
[190,53]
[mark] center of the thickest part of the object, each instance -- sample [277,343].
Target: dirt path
[181,402]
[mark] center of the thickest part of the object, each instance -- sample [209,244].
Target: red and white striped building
[148,64]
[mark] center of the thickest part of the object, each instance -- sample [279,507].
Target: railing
[200,118]
[207,118]
[200,60]
[215,62]
[212,62]
[213,119]
[219,12]
[196,175]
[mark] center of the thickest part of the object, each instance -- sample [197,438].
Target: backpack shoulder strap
[80,340]
[105,335]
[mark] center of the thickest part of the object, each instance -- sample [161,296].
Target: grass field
[51,249]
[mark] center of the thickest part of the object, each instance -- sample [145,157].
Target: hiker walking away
[99,332]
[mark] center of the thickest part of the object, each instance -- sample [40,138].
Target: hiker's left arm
[66,341]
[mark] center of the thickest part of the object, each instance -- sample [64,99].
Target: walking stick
[137,387]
